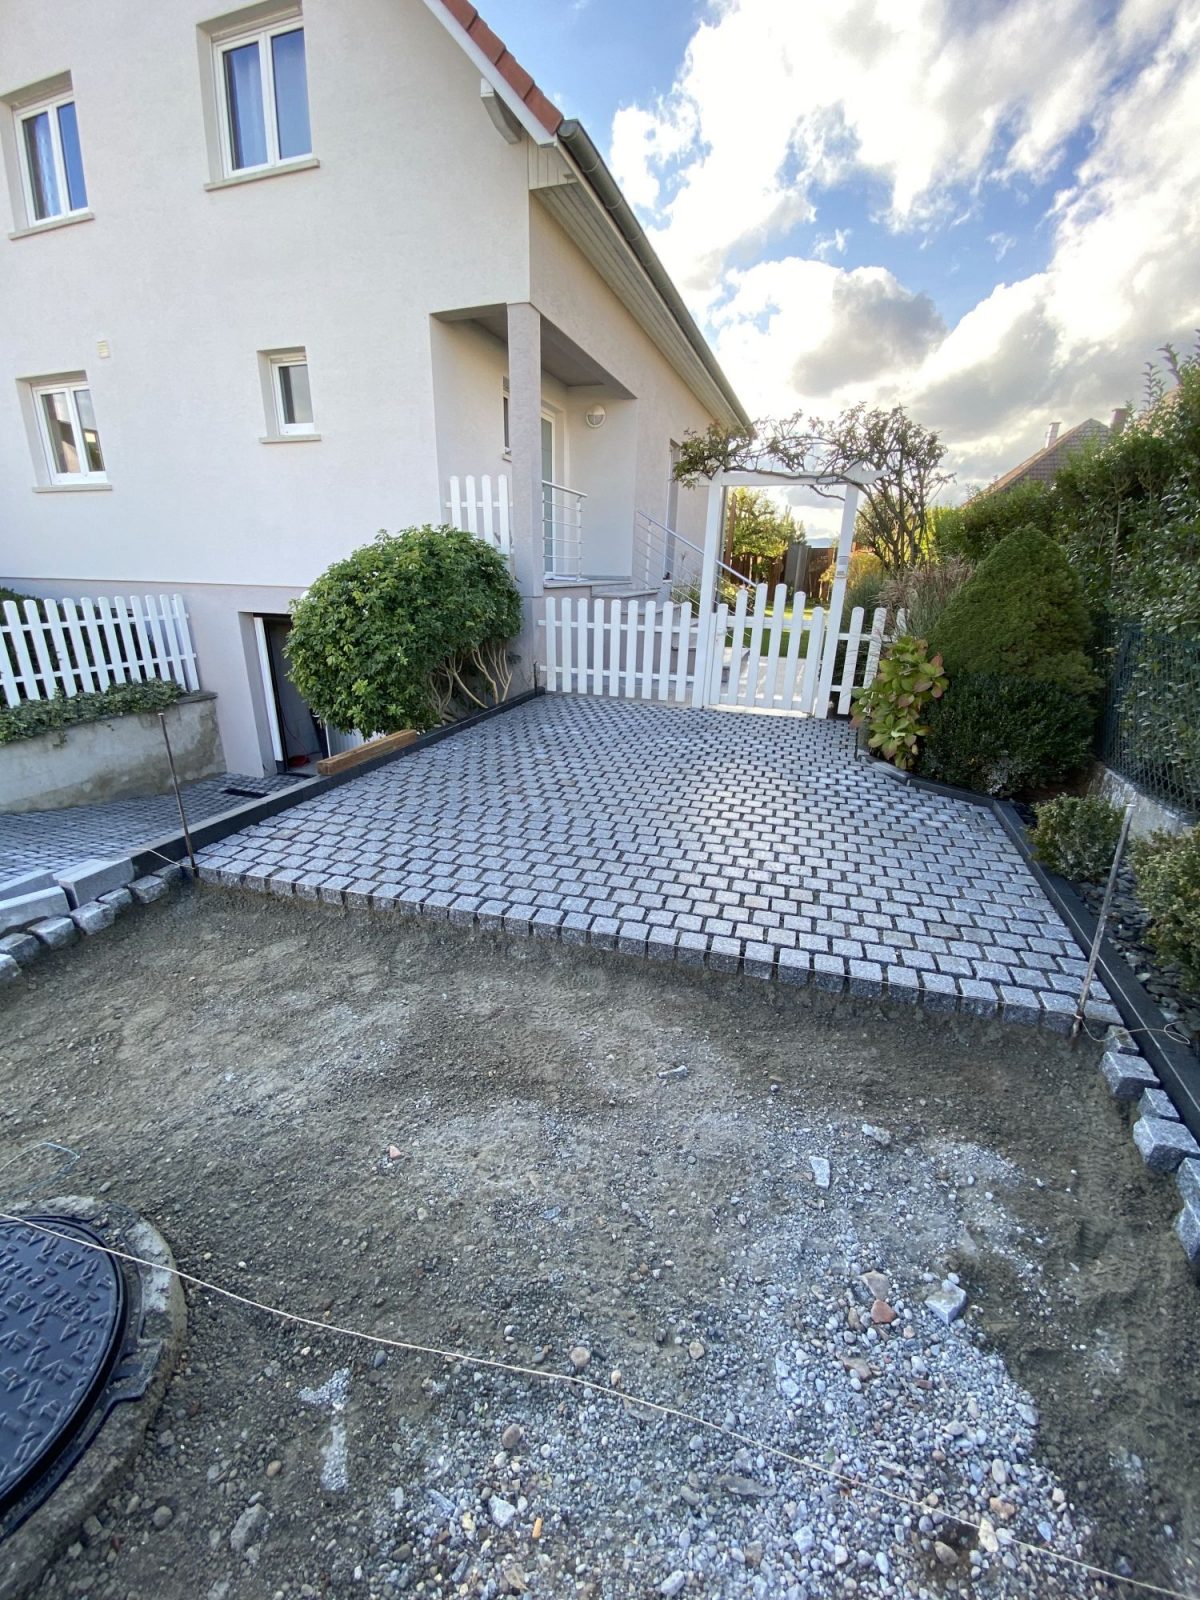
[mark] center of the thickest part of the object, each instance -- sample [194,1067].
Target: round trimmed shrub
[1167,866]
[406,632]
[1077,836]
[1005,736]
[1022,614]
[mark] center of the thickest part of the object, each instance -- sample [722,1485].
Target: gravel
[242,1072]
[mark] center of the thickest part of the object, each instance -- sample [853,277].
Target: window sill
[67,220]
[290,438]
[305,164]
[71,488]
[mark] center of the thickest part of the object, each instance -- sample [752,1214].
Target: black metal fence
[1150,731]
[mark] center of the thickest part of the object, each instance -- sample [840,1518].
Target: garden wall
[113,759]
[1150,815]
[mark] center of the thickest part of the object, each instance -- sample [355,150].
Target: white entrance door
[550,532]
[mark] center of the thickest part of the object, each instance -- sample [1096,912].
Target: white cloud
[933,103]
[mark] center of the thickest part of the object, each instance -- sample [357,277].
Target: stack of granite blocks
[47,911]
[1166,1146]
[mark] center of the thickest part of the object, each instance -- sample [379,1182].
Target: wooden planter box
[382,746]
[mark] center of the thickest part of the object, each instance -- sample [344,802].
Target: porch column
[525,445]
[837,598]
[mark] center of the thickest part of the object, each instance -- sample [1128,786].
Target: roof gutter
[587,158]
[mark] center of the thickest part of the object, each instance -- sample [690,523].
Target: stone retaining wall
[113,759]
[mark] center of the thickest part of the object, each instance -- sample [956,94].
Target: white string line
[846,1479]
[1167,1033]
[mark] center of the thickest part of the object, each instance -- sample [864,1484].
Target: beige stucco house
[279,277]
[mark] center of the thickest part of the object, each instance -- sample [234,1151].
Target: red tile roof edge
[1096,429]
[502,58]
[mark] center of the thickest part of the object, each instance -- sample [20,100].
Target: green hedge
[32,717]
[1168,878]
[1005,736]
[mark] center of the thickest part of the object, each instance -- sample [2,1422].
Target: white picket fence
[71,647]
[483,506]
[751,655]
[640,650]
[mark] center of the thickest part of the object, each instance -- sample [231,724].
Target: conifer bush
[1023,614]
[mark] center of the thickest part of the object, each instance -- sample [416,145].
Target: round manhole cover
[62,1308]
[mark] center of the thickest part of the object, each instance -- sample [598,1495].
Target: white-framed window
[51,159]
[262,96]
[66,420]
[291,394]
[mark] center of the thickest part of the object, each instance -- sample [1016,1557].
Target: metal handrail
[579,494]
[738,577]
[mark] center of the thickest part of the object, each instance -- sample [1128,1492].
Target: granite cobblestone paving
[736,841]
[54,840]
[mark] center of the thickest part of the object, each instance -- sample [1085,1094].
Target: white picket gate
[768,659]
[753,654]
[483,506]
[71,647]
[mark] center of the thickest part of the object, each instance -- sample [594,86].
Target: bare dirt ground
[237,1069]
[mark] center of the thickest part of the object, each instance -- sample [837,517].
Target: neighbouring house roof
[1043,465]
[546,123]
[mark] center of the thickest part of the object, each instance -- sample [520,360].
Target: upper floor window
[67,423]
[263,97]
[51,161]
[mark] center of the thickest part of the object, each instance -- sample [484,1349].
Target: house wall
[187,285]
[571,293]
[417,206]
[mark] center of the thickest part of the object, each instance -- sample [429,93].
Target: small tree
[907,455]
[407,632]
[759,531]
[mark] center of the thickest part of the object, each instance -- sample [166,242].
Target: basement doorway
[298,739]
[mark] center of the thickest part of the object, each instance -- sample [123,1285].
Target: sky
[984,210]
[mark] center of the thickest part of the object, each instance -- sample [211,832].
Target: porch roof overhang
[562,358]
[570,177]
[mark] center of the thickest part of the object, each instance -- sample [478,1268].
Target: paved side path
[733,840]
[51,840]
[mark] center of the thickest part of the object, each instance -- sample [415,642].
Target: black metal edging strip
[1174,1063]
[213,829]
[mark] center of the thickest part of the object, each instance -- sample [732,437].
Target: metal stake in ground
[1101,921]
[187,837]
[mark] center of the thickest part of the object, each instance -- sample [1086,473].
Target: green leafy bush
[973,530]
[1128,511]
[1006,736]
[865,581]
[1168,877]
[892,706]
[407,632]
[31,717]
[1022,614]
[1077,836]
